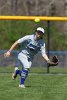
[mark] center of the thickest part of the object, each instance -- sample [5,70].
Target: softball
[37,20]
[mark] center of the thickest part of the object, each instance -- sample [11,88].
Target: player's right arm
[8,53]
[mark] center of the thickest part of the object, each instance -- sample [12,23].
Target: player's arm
[46,58]
[44,55]
[53,62]
[8,53]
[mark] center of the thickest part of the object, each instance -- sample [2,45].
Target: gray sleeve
[23,38]
[43,50]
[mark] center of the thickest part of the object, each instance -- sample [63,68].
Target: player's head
[40,32]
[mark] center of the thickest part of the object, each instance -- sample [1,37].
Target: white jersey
[30,46]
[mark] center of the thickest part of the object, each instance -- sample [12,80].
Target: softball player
[31,45]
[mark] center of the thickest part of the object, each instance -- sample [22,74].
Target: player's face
[39,34]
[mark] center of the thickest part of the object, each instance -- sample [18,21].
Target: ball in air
[37,20]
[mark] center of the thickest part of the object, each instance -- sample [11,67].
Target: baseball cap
[40,29]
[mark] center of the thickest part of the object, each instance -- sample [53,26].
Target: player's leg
[24,75]
[26,64]
[16,70]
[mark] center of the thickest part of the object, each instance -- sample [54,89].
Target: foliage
[58,40]
[11,30]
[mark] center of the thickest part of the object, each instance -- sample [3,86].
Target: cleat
[14,75]
[21,86]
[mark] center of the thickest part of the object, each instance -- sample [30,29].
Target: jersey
[30,46]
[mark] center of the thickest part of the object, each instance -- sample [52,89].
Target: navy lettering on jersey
[32,46]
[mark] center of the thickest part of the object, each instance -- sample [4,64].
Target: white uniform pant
[24,60]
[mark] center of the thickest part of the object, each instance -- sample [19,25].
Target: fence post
[48,42]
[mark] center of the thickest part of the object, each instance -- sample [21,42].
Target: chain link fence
[38,60]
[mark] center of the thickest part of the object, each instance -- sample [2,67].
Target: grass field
[38,86]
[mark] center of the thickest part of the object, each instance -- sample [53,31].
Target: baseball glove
[54,61]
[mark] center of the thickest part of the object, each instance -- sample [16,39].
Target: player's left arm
[53,62]
[43,51]
[46,58]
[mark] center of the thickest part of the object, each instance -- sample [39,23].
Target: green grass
[40,70]
[38,86]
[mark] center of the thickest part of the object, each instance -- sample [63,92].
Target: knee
[24,73]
